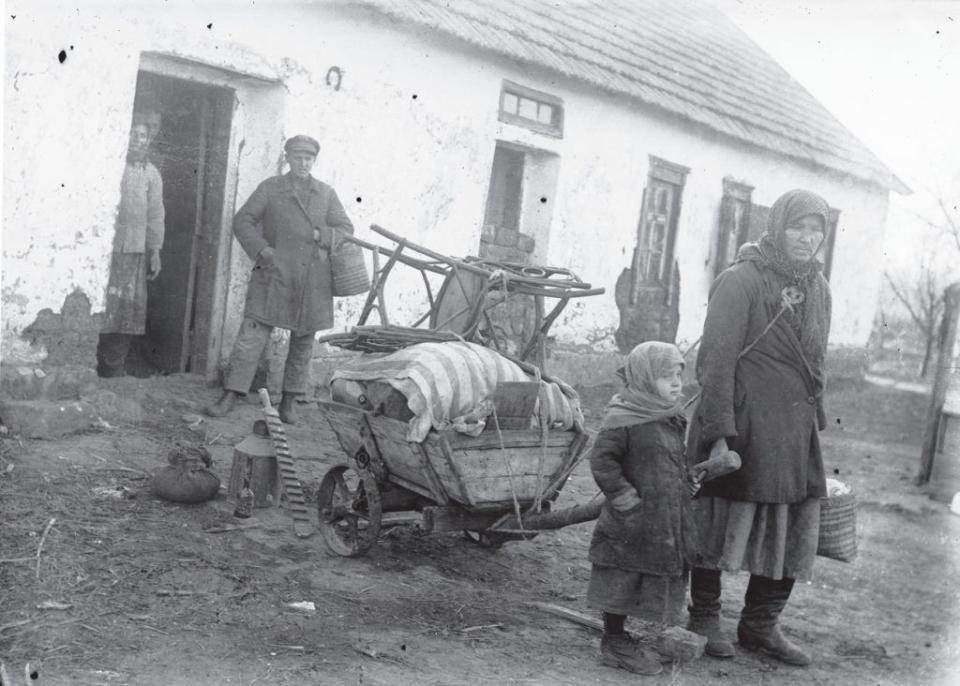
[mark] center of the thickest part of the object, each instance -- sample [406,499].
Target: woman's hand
[625,501]
[265,257]
[693,485]
[153,269]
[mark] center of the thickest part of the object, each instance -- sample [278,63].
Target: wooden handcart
[482,486]
[497,486]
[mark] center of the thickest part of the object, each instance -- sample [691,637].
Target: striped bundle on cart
[452,384]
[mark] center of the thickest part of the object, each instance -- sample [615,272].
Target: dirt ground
[125,588]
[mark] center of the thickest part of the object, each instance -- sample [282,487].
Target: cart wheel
[348,501]
[484,539]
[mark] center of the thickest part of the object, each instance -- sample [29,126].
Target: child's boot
[624,651]
[705,611]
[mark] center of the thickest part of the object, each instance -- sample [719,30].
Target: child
[644,537]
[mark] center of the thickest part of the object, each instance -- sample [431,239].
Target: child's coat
[657,536]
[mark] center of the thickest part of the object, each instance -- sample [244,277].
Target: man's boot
[224,406]
[705,611]
[758,629]
[287,408]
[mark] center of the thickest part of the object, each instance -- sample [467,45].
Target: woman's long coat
[767,404]
[296,291]
[657,536]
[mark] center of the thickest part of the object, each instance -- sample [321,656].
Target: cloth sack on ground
[450,386]
[186,479]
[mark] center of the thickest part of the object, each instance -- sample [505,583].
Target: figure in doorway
[287,228]
[136,250]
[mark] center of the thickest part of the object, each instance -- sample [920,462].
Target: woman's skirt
[774,540]
[126,302]
[659,599]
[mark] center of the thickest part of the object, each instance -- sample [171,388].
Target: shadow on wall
[69,336]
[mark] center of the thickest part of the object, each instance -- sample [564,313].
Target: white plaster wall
[65,137]
[420,167]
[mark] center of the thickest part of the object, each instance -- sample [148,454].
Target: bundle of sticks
[386,339]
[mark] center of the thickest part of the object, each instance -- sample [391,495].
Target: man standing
[287,228]
[136,252]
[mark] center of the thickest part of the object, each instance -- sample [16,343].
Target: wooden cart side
[433,479]
[446,454]
[570,461]
[406,461]
[519,465]
[345,422]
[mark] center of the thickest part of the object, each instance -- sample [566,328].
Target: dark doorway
[506,189]
[190,150]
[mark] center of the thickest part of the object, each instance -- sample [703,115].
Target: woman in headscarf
[644,541]
[761,371]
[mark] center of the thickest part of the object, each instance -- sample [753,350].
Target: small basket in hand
[838,527]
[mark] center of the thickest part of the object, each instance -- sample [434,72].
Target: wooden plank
[347,433]
[948,337]
[569,615]
[484,463]
[440,519]
[514,402]
[411,485]
[502,488]
[457,485]
[436,487]
[490,440]
[402,458]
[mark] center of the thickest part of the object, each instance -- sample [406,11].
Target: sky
[889,70]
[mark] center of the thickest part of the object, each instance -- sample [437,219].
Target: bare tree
[922,291]
[951,227]
[922,296]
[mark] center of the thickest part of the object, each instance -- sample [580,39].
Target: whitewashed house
[598,135]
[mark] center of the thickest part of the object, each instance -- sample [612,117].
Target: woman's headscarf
[789,208]
[639,402]
[809,318]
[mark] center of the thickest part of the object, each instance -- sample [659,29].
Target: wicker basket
[349,270]
[838,527]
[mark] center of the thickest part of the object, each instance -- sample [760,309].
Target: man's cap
[302,144]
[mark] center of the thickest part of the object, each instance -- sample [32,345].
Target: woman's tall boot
[704,610]
[759,629]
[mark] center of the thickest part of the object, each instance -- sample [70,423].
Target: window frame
[660,172]
[733,192]
[554,129]
[830,242]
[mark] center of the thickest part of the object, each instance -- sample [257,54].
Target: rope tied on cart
[506,464]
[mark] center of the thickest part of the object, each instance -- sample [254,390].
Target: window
[535,110]
[734,222]
[657,231]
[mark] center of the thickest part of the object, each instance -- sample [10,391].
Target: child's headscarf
[639,402]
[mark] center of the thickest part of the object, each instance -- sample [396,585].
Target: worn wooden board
[502,488]
[345,422]
[510,439]
[514,402]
